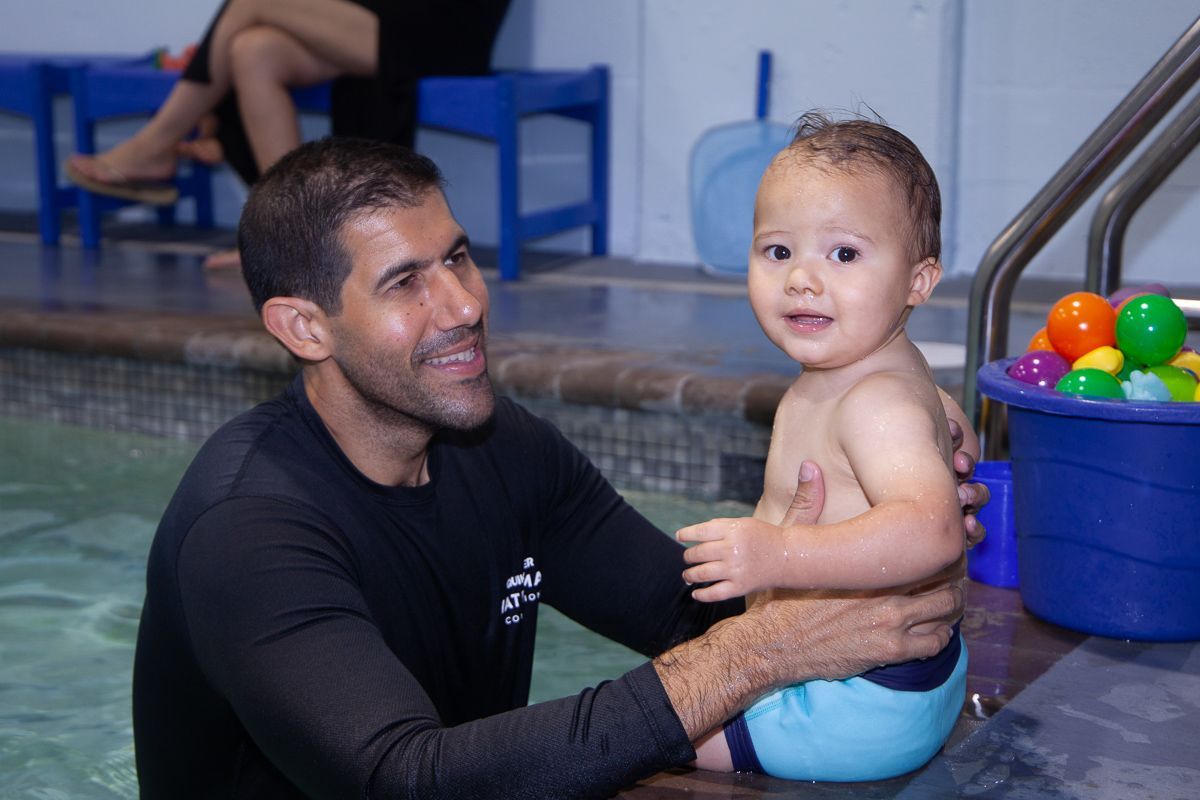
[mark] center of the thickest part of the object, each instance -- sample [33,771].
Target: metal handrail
[992,289]
[1106,241]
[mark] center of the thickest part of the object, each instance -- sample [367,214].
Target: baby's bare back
[881,436]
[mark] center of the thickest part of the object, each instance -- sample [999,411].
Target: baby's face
[830,275]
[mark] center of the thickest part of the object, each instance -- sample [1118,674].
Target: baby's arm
[897,444]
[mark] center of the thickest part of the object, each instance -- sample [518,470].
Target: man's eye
[405,282]
[844,254]
[778,252]
[458,258]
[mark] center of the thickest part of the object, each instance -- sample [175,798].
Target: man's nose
[457,300]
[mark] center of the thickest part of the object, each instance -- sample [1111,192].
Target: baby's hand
[737,556]
[742,554]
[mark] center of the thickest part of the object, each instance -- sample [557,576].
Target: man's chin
[478,413]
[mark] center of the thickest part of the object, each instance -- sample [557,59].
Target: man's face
[411,335]
[830,277]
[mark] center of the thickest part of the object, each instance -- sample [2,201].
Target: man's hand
[972,496]
[789,637]
[742,555]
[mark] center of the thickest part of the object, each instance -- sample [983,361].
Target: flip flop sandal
[153,192]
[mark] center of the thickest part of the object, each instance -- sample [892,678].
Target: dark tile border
[526,367]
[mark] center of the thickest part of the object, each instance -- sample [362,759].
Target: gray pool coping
[525,366]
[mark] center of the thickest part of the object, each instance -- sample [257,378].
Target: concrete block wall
[998,95]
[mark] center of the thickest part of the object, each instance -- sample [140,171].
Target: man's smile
[467,361]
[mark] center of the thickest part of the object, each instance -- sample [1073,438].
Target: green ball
[1090,383]
[1179,382]
[1129,366]
[1150,328]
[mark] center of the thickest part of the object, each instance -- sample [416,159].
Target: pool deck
[586,331]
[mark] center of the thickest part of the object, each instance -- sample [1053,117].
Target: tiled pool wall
[709,456]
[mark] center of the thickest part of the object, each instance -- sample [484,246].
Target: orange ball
[1040,341]
[1081,322]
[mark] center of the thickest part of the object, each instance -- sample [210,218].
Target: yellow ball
[1187,360]
[1105,358]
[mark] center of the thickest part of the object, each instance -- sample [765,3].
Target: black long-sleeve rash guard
[307,632]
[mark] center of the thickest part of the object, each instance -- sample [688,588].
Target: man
[330,594]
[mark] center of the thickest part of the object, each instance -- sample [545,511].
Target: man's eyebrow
[462,241]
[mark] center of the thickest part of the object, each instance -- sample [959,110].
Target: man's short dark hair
[290,233]
[862,142]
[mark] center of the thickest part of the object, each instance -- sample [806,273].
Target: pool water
[78,508]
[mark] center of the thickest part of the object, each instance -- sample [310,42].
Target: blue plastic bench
[28,85]
[491,107]
[488,107]
[106,91]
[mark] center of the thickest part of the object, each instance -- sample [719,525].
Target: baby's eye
[778,252]
[844,254]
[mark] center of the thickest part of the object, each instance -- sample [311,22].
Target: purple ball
[1040,368]
[1121,295]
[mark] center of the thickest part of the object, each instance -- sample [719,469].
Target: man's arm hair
[789,637]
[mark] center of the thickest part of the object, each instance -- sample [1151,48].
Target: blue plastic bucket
[994,560]
[1107,502]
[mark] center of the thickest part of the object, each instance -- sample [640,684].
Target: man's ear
[925,277]
[300,325]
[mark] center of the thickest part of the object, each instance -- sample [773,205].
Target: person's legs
[150,154]
[265,63]
[333,32]
[338,32]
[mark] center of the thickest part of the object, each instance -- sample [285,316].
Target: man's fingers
[964,465]
[927,645]
[975,530]
[941,605]
[956,432]
[973,496]
[809,499]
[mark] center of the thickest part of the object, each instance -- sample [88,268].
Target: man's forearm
[711,678]
[790,637]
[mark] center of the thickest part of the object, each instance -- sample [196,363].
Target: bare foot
[96,175]
[205,147]
[207,150]
[131,161]
[223,259]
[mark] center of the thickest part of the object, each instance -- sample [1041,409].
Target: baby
[846,243]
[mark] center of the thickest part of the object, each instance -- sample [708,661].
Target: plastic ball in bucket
[1107,506]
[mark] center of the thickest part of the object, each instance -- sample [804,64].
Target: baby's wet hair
[854,140]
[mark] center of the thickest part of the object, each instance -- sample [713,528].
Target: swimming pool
[78,508]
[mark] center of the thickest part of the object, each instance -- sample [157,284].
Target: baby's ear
[925,276]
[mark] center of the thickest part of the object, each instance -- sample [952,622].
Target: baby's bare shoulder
[903,391]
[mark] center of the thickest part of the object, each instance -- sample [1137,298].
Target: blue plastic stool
[491,107]
[105,91]
[27,87]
